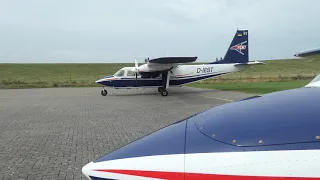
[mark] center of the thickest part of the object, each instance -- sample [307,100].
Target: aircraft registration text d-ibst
[205,70]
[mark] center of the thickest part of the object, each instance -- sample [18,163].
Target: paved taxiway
[52,133]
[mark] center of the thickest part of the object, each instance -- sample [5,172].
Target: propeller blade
[137,79]
[136,64]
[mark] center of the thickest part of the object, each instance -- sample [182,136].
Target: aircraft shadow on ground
[156,93]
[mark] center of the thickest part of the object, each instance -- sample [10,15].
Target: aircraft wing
[311,53]
[172,60]
[165,63]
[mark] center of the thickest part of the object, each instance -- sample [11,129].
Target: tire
[104,92]
[159,89]
[164,93]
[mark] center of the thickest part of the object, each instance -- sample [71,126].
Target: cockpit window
[131,73]
[119,73]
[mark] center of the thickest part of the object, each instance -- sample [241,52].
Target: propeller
[136,66]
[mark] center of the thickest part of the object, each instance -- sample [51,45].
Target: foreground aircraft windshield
[315,82]
[316,79]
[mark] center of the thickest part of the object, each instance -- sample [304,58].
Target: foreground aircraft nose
[86,170]
[213,145]
[163,149]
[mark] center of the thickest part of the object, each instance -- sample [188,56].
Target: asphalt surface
[53,133]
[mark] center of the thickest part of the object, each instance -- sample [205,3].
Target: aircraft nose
[105,80]
[99,81]
[86,170]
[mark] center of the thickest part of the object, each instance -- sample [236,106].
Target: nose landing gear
[104,92]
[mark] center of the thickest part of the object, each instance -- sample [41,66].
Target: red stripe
[151,174]
[197,176]
[112,79]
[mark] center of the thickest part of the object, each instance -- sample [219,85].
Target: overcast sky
[121,30]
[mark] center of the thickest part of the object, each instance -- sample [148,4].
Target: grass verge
[274,75]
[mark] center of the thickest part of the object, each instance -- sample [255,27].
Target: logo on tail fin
[239,47]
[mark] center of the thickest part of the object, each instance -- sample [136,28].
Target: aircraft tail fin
[238,51]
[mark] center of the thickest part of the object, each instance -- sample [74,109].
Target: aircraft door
[133,76]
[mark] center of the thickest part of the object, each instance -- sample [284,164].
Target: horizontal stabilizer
[311,54]
[249,63]
[172,60]
[308,53]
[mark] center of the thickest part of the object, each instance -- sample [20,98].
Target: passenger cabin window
[120,73]
[131,73]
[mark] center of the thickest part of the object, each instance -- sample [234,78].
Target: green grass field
[274,75]
[54,75]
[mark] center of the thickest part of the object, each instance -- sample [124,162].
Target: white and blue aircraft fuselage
[182,74]
[164,72]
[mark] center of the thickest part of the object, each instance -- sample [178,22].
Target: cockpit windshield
[119,73]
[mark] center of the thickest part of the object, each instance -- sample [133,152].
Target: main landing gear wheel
[104,92]
[164,92]
[159,89]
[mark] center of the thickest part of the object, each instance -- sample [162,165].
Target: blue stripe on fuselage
[132,82]
[98,178]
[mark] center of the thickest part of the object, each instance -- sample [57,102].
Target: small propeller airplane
[170,71]
[275,136]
